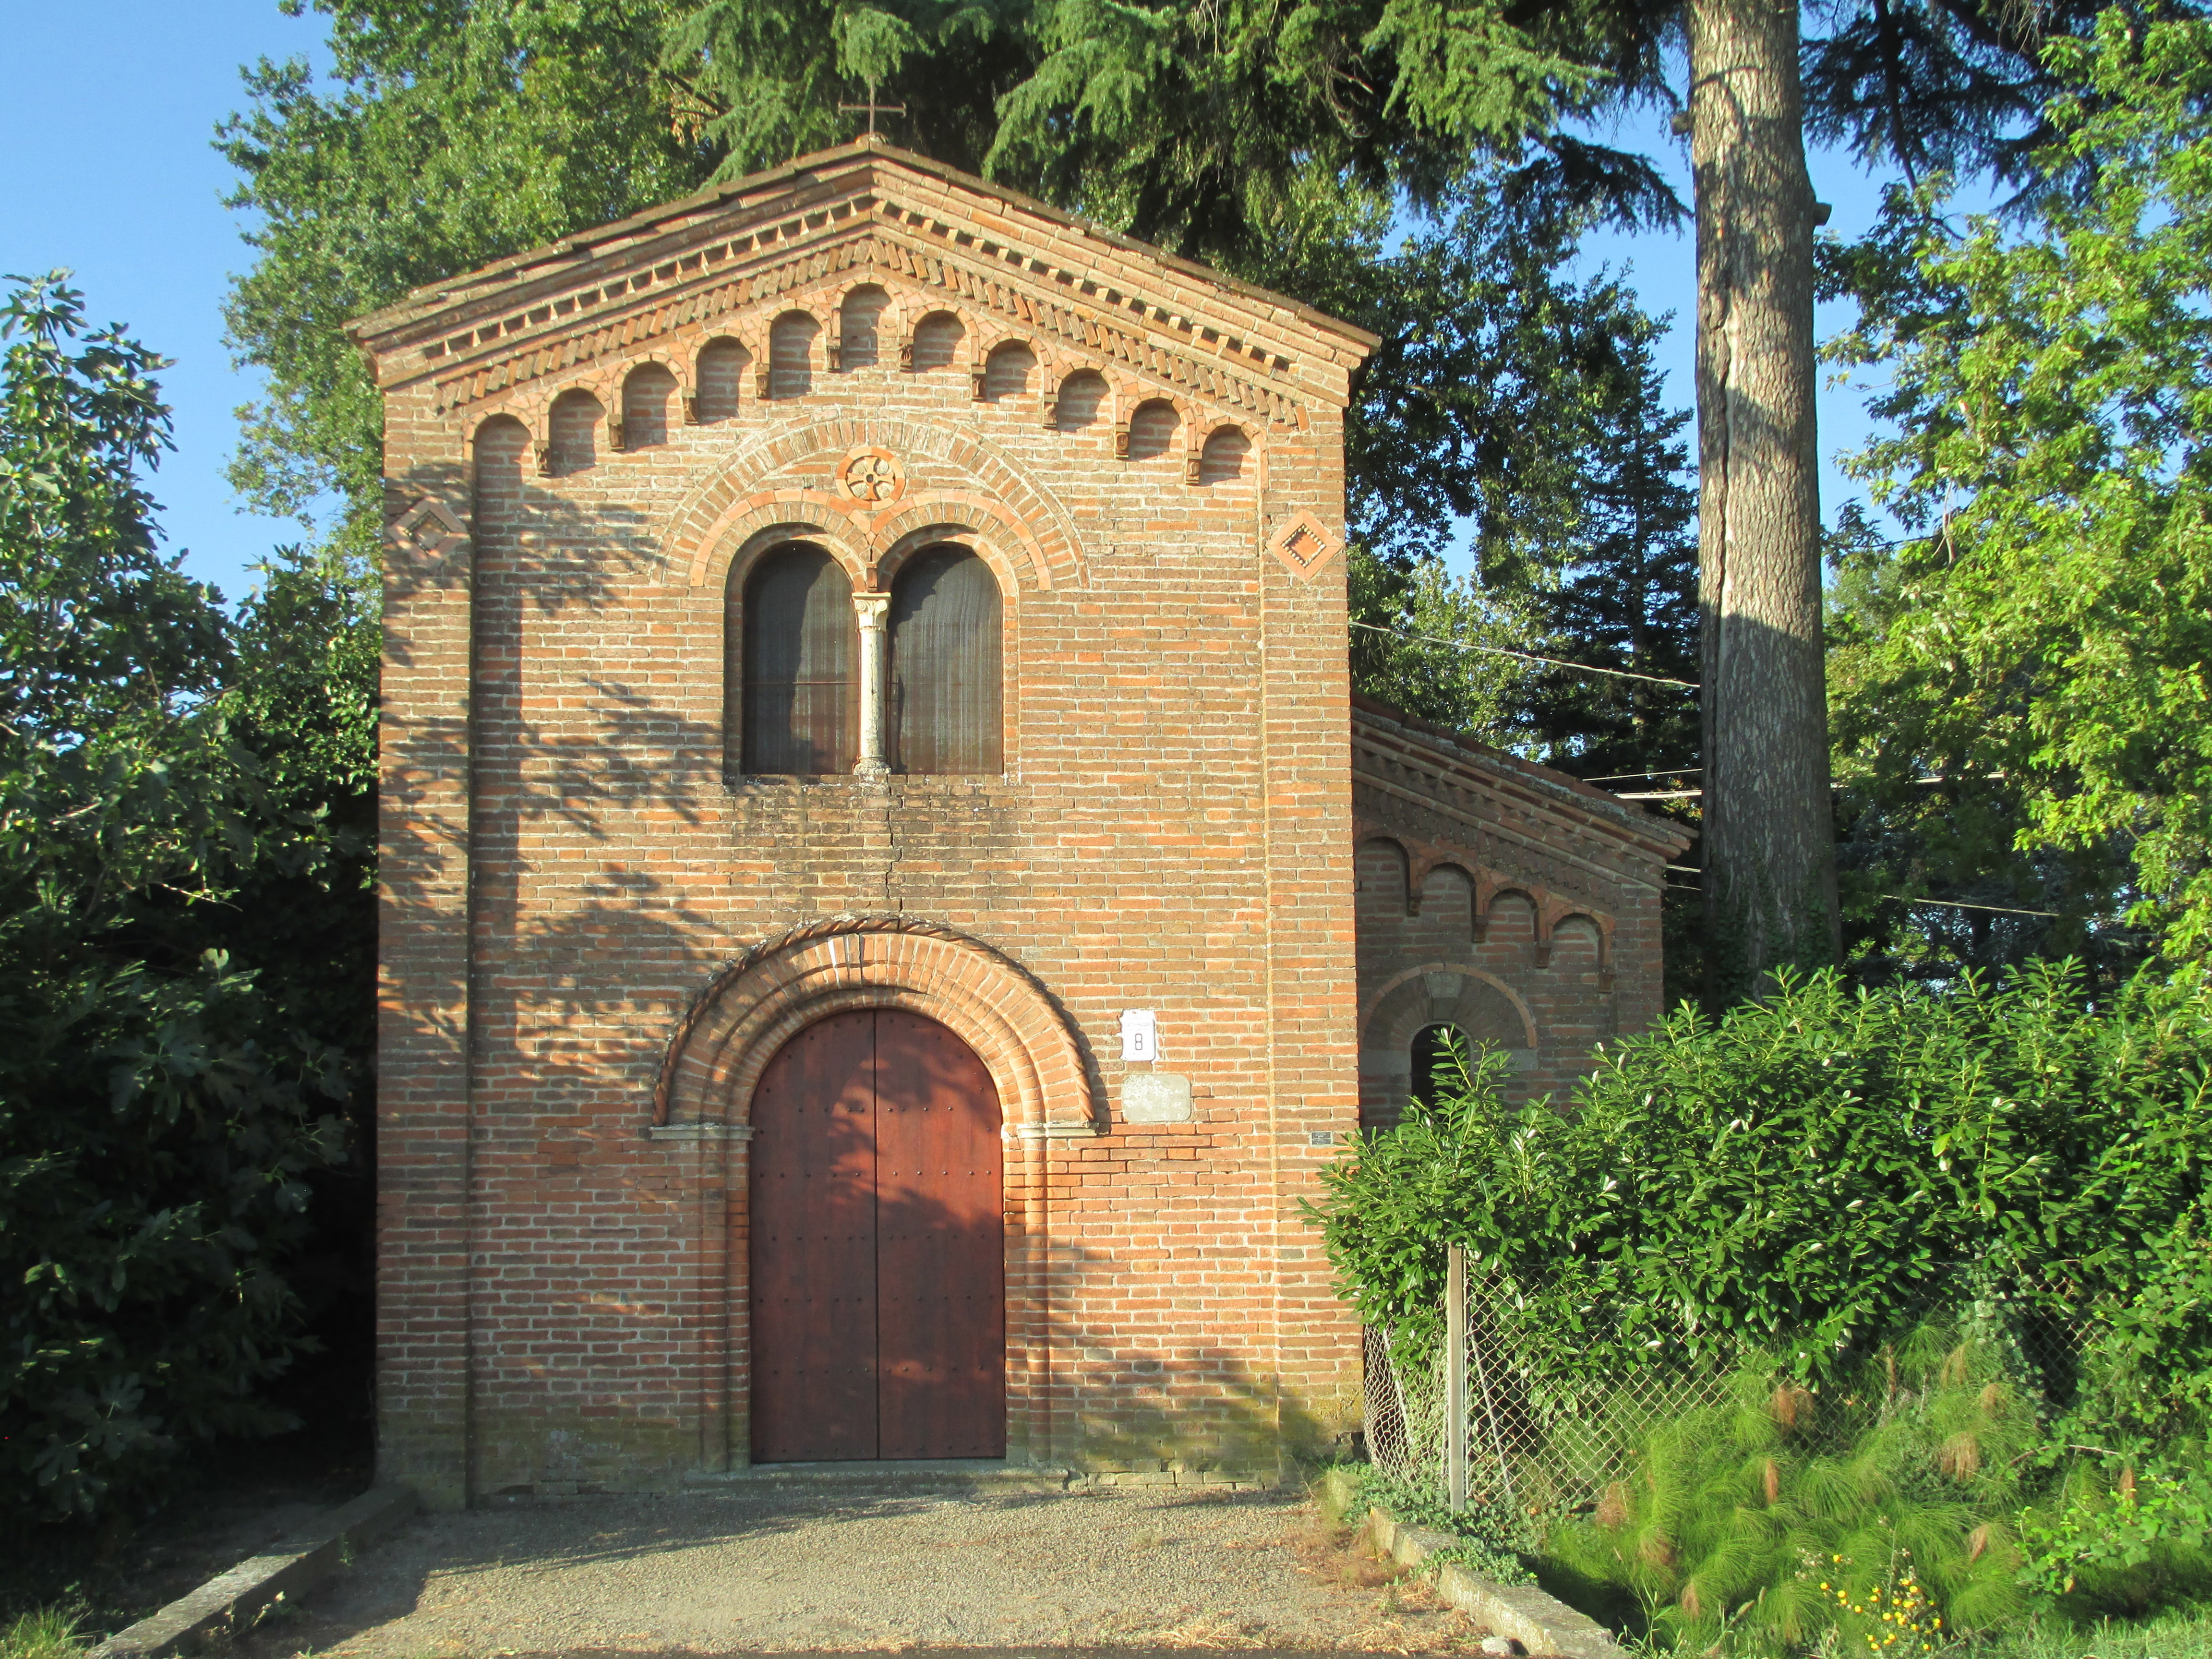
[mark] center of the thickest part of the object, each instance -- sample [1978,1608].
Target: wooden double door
[877,1247]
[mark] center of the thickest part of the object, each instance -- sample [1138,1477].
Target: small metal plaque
[1156,1097]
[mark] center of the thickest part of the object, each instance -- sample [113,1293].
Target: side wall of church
[1492,900]
[565,863]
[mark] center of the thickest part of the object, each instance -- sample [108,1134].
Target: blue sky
[107,110]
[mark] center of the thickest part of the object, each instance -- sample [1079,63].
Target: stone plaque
[1156,1097]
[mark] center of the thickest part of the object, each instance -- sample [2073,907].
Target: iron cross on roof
[874,109]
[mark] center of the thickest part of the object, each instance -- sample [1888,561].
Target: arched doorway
[876,1245]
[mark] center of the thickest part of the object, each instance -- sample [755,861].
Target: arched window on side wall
[1082,394]
[1006,372]
[946,714]
[1152,428]
[1436,1067]
[797,652]
[573,433]
[1222,460]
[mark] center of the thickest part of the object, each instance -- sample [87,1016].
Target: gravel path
[829,1568]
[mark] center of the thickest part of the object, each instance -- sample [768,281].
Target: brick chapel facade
[889,900]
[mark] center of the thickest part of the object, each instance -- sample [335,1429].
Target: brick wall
[566,864]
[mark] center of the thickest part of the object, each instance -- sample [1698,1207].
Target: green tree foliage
[2047,629]
[1951,1243]
[1191,126]
[1514,408]
[1919,835]
[1628,598]
[1812,1171]
[777,75]
[158,1123]
[458,133]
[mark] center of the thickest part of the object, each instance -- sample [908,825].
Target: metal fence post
[1456,1376]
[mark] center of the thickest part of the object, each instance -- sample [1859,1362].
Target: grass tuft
[47,1632]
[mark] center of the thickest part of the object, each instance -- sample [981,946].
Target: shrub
[1809,1175]
[159,1115]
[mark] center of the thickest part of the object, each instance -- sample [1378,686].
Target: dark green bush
[1809,1174]
[160,1111]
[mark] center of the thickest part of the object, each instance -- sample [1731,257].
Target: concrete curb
[1541,1623]
[229,1601]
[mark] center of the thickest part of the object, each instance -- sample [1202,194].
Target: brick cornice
[785,203]
[962,237]
[1398,754]
[556,338]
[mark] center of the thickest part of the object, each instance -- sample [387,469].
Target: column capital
[871,609]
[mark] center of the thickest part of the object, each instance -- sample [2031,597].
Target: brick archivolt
[1404,1003]
[984,492]
[751,1008]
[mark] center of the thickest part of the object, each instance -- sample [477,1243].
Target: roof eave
[441,299]
[1623,819]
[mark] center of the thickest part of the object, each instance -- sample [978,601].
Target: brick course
[594,936]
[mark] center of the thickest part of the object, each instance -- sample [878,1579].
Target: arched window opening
[722,367]
[936,341]
[945,664]
[645,397]
[1152,428]
[1222,460]
[1081,396]
[791,355]
[1006,372]
[856,327]
[1437,1069]
[573,433]
[797,654]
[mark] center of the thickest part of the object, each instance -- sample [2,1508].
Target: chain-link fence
[1542,1438]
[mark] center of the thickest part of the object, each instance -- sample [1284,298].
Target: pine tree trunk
[1769,870]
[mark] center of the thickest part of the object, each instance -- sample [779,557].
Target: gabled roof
[1379,731]
[987,246]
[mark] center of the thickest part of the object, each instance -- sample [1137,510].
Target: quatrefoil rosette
[869,477]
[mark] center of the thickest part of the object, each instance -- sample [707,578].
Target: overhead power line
[1524,656]
[1953,904]
[1668,771]
[1948,904]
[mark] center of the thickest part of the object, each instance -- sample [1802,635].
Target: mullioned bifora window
[797,670]
[945,713]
